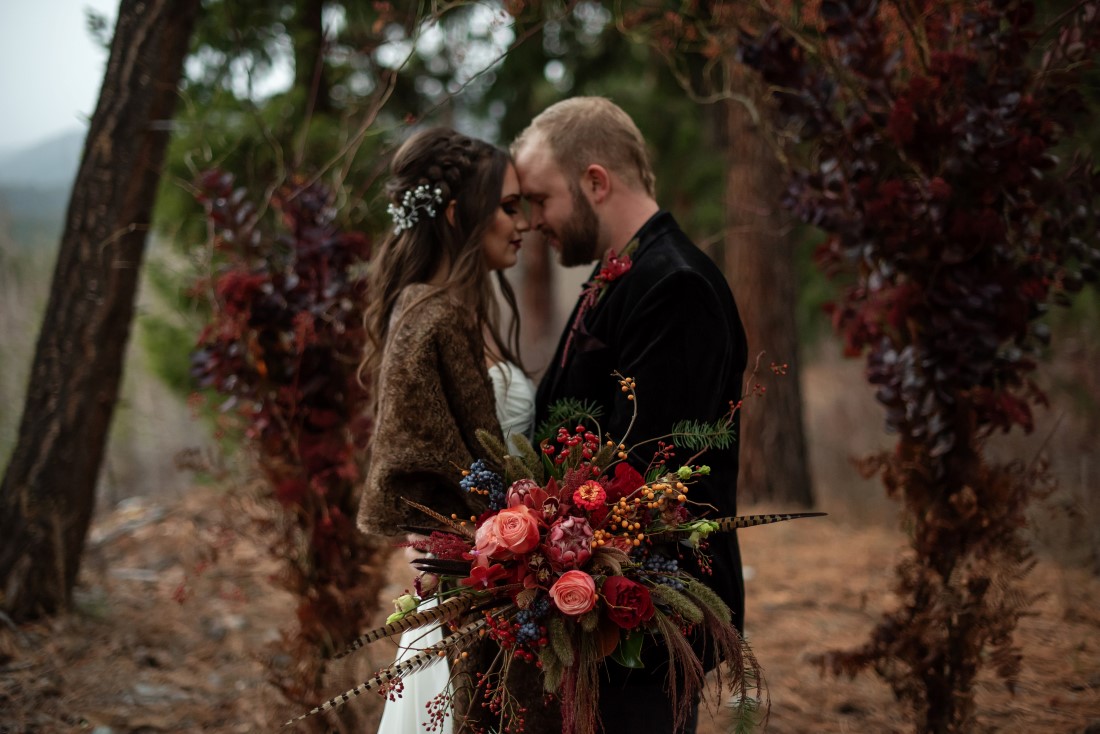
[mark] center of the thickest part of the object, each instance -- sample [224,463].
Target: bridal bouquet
[573,564]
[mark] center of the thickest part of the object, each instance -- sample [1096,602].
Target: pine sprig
[701,436]
[567,412]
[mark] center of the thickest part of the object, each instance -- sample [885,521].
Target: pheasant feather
[441,613]
[416,663]
[462,530]
[725,524]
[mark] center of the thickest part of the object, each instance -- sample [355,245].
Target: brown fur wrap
[434,395]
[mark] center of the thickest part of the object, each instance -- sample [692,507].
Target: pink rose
[569,542]
[574,593]
[511,531]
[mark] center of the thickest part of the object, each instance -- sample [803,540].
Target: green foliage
[168,349]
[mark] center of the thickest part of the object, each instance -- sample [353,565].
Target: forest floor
[175,614]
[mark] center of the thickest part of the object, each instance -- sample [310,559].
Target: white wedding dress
[515,399]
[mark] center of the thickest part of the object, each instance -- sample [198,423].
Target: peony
[628,602]
[569,542]
[574,593]
[511,531]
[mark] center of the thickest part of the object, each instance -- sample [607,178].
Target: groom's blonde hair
[585,130]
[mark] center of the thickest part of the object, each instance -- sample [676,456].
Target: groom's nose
[535,219]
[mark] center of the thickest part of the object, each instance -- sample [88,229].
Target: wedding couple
[656,309]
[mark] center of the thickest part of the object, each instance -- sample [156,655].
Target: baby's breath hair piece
[422,198]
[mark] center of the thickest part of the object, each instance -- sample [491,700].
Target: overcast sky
[50,68]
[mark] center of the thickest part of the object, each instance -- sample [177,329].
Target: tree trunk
[48,490]
[309,56]
[760,265]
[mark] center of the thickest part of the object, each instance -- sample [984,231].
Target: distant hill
[49,164]
[34,189]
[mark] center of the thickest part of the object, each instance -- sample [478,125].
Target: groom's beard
[578,236]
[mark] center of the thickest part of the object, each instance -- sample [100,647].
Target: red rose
[627,479]
[628,602]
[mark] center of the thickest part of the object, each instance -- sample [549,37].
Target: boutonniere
[614,267]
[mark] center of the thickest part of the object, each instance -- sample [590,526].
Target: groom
[657,310]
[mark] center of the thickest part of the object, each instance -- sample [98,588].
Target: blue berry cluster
[663,571]
[481,478]
[527,620]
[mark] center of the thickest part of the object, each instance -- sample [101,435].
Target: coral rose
[512,531]
[574,593]
[628,602]
[518,528]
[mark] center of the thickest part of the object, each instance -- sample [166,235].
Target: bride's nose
[521,223]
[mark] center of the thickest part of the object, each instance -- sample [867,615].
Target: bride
[436,358]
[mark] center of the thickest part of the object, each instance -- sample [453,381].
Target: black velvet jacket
[670,323]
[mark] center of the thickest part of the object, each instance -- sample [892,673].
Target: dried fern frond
[448,610]
[609,558]
[493,446]
[530,457]
[708,599]
[561,641]
[678,603]
[418,662]
[515,468]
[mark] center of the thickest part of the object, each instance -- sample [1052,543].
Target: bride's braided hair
[469,174]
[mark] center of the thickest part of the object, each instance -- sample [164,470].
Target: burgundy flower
[526,492]
[628,602]
[569,542]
